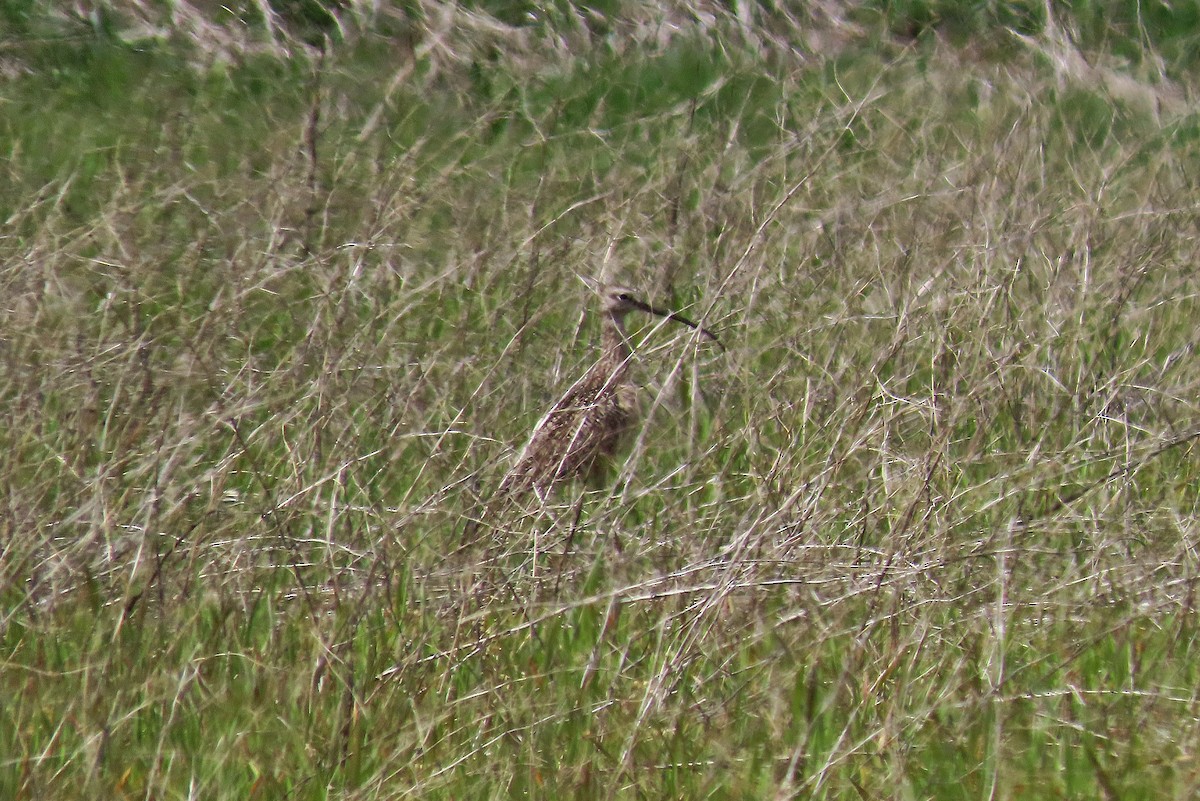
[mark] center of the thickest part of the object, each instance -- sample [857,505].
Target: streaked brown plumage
[588,425]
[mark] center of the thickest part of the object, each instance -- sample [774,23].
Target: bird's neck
[615,342]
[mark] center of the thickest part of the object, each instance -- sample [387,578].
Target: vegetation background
[285,284]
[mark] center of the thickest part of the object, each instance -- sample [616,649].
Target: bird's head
[617,301]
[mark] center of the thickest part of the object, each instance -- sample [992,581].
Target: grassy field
[277,315]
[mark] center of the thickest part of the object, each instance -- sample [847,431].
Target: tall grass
[274,327]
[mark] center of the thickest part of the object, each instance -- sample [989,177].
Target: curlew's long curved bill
[679,318]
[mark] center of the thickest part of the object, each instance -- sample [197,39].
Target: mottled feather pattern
[585,429]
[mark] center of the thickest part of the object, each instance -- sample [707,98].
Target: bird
[581,433]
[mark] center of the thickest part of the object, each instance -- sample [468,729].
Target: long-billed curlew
[587,426]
